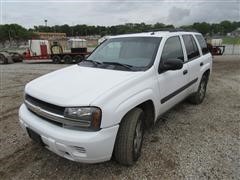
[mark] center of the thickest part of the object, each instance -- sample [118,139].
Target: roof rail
[173,30]
[183,29]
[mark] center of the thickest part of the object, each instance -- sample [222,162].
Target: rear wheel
[78,58]
[56,59]
[198,97]
[3,59]
[67,59]
[130,137]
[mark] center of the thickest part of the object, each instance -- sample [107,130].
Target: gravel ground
[189,142]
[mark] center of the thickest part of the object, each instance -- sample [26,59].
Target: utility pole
[72,28]
[9,36]
[45,21]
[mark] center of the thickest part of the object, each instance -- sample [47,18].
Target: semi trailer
[43,51]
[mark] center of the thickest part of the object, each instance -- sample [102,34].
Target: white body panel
[35,49]
[77,86]
[114,92]
[216,42]
[77,43]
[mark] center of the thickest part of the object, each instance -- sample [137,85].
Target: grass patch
[92,46]
[231,40]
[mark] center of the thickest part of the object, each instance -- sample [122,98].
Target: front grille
[48,120]
[52,113]
[44,105]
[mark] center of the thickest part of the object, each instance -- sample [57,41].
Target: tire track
[14,163]
[9,113]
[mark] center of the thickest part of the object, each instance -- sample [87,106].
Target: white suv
[100,107]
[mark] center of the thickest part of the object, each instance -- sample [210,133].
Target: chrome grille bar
[56,117]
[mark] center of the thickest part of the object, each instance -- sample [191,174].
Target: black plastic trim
[168,97]
[45,105]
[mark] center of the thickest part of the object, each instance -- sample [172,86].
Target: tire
[56,59]
[67,59]
[198,97]
[129,140]
[78,58]
[3,59]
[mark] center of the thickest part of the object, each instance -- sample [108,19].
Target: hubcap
[138,137]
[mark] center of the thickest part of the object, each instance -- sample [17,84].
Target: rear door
[206,57]
[194,60]
[172,83]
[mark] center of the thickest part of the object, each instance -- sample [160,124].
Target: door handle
[201,64]
[185,71]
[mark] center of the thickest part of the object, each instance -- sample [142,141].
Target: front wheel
[130,137]
[198,97]
[56,59]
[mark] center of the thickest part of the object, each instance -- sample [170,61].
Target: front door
[173,84]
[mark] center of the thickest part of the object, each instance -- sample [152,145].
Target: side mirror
[170,64]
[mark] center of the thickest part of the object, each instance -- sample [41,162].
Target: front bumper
[82,146]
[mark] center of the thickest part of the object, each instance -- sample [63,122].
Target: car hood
[76,85]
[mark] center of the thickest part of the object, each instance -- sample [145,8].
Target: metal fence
[232,49]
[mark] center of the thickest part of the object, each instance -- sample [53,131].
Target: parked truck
[9,57]
[119,91]
[43,51]
[215,47]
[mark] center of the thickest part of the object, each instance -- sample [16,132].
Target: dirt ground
[189,142]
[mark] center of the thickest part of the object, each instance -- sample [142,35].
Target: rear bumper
[87,147]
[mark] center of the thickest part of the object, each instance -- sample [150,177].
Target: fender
[206,67]
[124,106]
[132,101]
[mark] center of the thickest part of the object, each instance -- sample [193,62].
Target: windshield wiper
[96,63]
[129,67]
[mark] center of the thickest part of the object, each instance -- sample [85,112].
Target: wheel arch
[149,111]
[207,73]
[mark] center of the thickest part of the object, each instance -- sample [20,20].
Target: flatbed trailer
[66,58]
[75,56]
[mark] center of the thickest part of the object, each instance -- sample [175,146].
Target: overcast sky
[111,12]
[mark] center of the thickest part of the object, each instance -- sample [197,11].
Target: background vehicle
[215,47]
[8,57]
[5,58]
[42,50]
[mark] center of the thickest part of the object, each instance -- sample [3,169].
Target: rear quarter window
[202,44]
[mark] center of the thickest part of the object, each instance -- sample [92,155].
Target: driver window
[172,49]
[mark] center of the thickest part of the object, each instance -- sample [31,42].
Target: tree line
[18,33]
[15,32]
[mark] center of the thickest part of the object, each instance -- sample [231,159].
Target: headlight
[89,117]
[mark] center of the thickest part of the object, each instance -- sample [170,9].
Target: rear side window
[191,47]
[202,44]
[172,49]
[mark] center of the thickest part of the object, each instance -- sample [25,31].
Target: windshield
[131,53]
